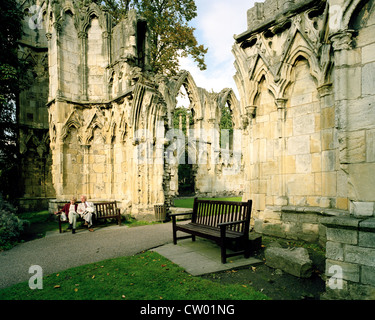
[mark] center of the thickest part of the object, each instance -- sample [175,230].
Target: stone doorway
[186,177]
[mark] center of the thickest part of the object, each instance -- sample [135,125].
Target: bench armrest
[226,224]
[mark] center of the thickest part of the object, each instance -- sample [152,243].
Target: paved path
[57,252]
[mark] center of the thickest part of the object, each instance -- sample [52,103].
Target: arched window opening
[183,119]
[226,128]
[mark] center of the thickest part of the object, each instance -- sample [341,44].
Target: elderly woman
[70,211]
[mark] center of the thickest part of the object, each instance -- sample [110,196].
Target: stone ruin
[97,121]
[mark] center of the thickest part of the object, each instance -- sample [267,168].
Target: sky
[216,24]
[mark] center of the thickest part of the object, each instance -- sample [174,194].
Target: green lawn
[188,202]
[148,276]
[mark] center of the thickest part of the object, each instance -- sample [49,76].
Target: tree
[10,74]
[171,37]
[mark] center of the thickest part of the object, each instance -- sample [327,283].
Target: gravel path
[57,252]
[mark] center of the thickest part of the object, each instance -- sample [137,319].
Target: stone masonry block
[367,239]
[303,163]
[370,146]
[350,271]
[368,53]
[342,235]
[368,79]
[368,275]
[304,124]
[359,255]
[362,209]
[298,145]
[334,251]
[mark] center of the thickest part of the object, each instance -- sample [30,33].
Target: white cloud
[217,22]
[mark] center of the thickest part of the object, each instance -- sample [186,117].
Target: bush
[11,226]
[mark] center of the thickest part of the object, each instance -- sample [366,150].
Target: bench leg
[193,237]
[60,225]
[174,236]
[223,245]
[223,252]
[174,230]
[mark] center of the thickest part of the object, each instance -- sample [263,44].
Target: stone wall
[350,256]
[304,73]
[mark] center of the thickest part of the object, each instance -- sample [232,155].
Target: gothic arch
[185,79]
[299,52]
[228,96]
[262,74]
[73,121]
[94,11]
[351,8]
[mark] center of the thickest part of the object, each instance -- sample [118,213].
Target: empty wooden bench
[221,221]
[103,211]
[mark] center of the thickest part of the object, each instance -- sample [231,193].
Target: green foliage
[10,225]
[183,112]
[10,33]
[171,37]
[11,69]
[226,121]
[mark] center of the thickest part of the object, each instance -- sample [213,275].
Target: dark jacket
[66,209]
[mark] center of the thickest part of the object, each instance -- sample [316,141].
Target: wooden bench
[103,211]
[221,221]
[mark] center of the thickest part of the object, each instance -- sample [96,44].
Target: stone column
[83,74]
[342,44]
[281,109]
[58,29]
[86,170]
[108,53]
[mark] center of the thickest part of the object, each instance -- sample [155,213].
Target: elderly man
[86,209]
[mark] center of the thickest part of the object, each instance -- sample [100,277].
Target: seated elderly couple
[72,210]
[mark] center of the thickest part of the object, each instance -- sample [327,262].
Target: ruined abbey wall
[96,121]
[305,72]
[107,120]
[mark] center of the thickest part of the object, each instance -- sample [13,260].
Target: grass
[148,276]
[40,223]
[189,202]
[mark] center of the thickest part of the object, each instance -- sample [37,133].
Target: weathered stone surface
[295,261]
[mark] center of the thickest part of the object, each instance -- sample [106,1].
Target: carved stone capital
[82,35]
[106,35]
[342,40]
[251,111]
[281,103]
[325,89]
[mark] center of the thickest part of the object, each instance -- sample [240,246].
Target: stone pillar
[83,74]
[86,170]
[281,109]
[342,44]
